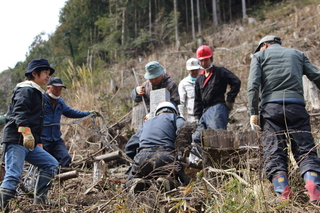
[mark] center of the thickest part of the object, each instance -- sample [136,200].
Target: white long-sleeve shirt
[186,93]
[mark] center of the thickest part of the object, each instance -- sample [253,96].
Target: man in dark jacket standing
[55,107]
[277,72]
[211,108]
[24,121]
[152,148]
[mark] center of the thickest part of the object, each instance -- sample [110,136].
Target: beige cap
[268,38]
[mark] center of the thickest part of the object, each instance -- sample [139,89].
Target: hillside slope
[240,188]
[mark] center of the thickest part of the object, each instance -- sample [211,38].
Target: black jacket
[25,109]
[214,90]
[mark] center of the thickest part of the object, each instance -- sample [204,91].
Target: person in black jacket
[211,107]
[24,121]
[152,149]
[157,78]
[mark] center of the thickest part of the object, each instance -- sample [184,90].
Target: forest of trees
[101,32]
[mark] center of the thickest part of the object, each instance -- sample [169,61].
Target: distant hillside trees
[99,32]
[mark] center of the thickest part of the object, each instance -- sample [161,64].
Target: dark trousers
[151,163]
[282,125]
[58,150]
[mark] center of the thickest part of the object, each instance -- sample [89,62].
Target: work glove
[140,90]
[93,112]
[196,120]
[28,139]
[254,122]
[147,117]
[229,105]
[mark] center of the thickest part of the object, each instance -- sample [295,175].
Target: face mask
[53,96]
[211,65]
[192,79]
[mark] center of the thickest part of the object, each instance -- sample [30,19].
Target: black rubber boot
[5,196]
[43,184]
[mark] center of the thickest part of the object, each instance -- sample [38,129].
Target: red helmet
[204,52]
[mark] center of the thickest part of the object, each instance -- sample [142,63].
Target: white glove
[254,122]
[140,90]
[147,117]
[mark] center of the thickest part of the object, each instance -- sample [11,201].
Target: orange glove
[28,139]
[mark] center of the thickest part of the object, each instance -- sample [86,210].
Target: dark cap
[39,63]
[55,81]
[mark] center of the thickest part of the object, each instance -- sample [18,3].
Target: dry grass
[236,185]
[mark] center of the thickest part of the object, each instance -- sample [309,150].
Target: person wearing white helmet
[152,149]
[275,83]
[186,89]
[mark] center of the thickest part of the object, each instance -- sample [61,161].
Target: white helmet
[193,64]
[166,107]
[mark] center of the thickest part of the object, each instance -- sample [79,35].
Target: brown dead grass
[219,191]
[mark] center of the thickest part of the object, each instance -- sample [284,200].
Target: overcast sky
[20,22]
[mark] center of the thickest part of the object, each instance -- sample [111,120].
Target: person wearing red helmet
[211,107]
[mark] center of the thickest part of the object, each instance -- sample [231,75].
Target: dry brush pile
[236,184]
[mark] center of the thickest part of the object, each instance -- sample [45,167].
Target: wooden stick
[67,175]
[109,156]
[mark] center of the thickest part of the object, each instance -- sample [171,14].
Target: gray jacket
[277,72]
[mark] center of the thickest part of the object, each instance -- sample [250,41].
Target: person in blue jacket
[152,149]
[55,107]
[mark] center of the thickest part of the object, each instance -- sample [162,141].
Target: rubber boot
[312,180]
[183,177]
[43,184]
[165,184]
[138,185]
[281,185]
[5,196]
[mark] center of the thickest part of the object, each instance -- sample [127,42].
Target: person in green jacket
[276,79]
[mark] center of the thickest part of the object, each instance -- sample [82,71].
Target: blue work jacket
[52,115]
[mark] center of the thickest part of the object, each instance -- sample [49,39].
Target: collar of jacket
[209,76]
[30,84]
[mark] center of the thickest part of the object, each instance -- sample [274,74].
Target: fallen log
[106,157]
[67,175]
[109,156]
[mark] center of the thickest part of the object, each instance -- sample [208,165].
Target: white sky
[20,22]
